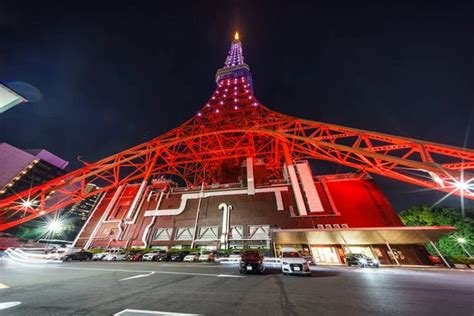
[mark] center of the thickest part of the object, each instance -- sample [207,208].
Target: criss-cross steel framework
[234,125]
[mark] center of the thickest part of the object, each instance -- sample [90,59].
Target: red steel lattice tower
[234,125]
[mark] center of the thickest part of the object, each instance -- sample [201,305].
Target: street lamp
[461,242]
[55,226]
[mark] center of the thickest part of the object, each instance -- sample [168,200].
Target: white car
[206,257]
[114,257]
[58,254]
[232,259]
[292,262]
[191,257]
[272,263]
[151,256]
[99,256]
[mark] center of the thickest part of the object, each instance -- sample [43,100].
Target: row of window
[329,226]
[237,232]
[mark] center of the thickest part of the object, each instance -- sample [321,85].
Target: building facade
[24,169]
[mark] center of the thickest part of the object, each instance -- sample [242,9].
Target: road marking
[145,312]
[3,286]
[143,271]
[8,305]
[137,276]
[229,276]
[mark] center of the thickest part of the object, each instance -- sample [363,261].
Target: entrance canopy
[361,236]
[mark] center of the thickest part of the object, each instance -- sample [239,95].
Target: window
[163,233]
[320,226]
[336,226]
[344,226]
[328,226]
[259,232]
[209,233]
[184,233]
[236,232]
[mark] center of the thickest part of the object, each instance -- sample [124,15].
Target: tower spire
[234,65]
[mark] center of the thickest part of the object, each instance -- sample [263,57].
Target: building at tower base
[324,216]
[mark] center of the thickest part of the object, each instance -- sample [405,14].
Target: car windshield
[292,254]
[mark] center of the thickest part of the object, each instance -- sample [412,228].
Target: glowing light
[27,204]
[55,226]
[461,240]
[199,114]
[236,36]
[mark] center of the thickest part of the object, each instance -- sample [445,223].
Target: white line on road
[6,305]
[3,286]
[141,271]
[137,276]
[141,311]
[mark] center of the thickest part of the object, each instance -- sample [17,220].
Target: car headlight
[363,261]
[375,261]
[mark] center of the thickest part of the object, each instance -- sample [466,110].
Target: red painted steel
[234,125]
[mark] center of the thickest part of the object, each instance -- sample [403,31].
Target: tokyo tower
[234,129]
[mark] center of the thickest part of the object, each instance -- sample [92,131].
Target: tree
[440,216]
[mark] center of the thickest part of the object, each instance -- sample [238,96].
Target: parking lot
[107,288]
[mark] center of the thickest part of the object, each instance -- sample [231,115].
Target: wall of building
[348,202]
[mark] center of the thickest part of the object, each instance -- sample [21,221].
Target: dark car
[251,262]
[135,257]
[179,256]
[361,260]
[80,255]
[163,257]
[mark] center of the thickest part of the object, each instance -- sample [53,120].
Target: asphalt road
[106,288]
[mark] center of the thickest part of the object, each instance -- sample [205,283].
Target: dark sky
[114,75]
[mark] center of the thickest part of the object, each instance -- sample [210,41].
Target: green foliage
[440,216]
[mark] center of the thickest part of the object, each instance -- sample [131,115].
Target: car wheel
[68,259]
[88,259]
[114,259]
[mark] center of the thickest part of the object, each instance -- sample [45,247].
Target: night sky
[115,75]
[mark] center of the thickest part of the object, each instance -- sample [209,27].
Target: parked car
[292,262]
[135,257]
[152,256]
[191,257]
[206,256]
[114,257]
[79,255]
[58,254]
[251,262]
[164,257]
[361,260]
[99,256]
[272,263]
[179,256]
